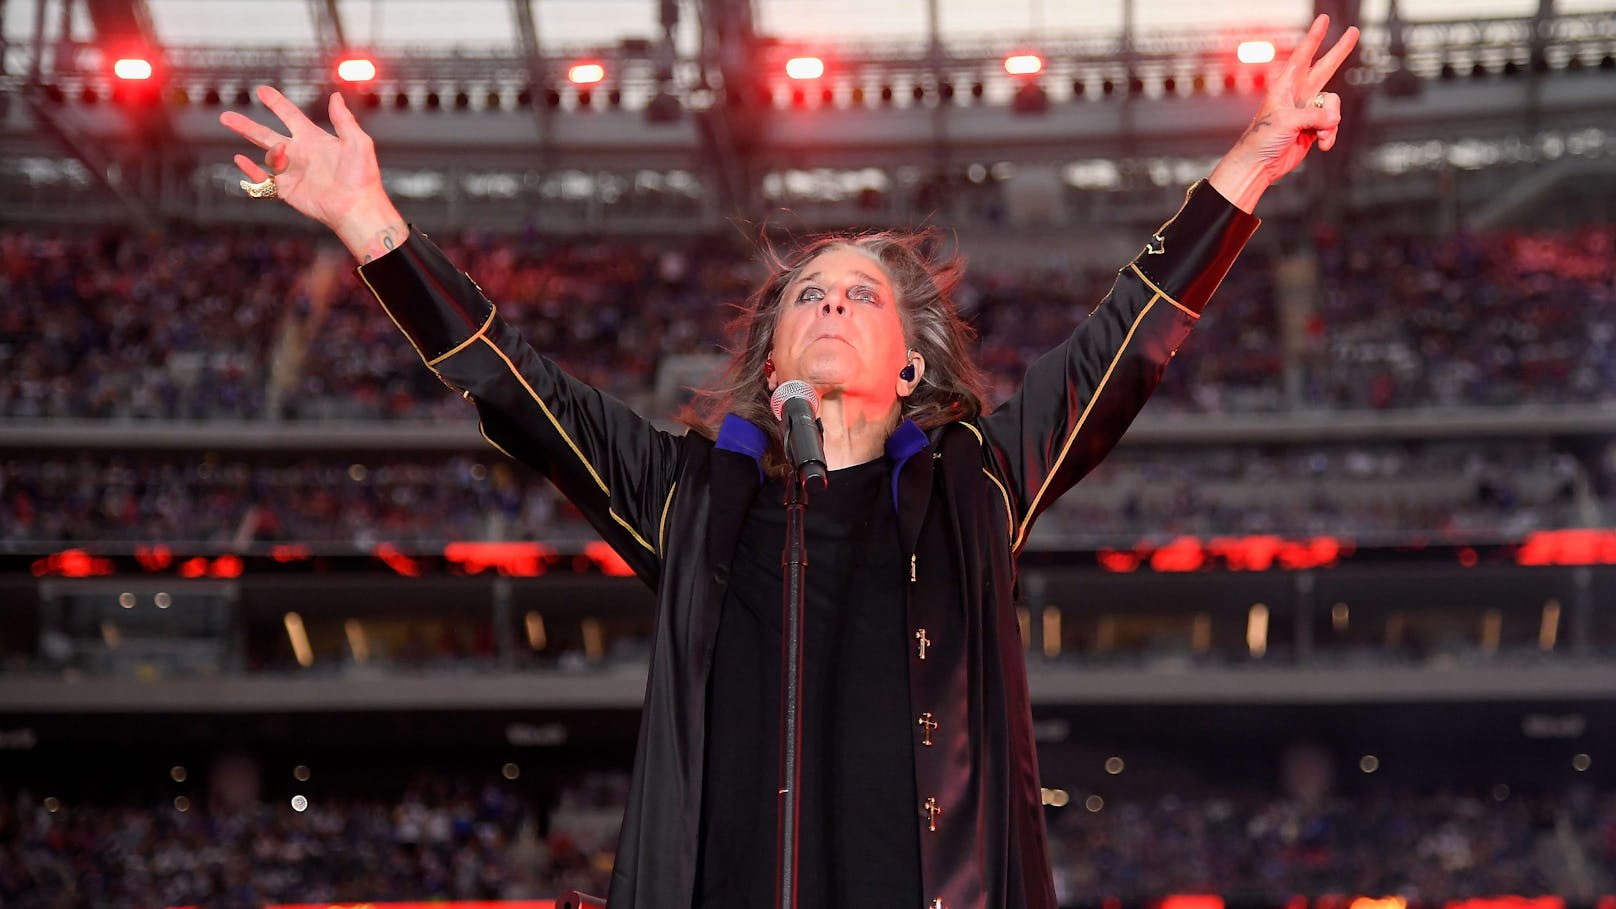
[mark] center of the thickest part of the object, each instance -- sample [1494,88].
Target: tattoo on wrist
[382,243]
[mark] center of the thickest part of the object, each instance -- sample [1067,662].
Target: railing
[1200,59]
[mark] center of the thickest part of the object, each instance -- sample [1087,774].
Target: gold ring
[264,189]
[1318,100]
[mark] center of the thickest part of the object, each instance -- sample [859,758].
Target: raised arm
[1078,399]
[615,466]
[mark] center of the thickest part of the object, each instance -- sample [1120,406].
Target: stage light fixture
[401,101]
[585,98]
[132,69]
[356,69]
[87,95]
[1030,98]
[1080,90]
[370,101]
[663,108]
[1255,52]
[243,98]
[614,98]
[799,98]
[211,97]
[1023,64]
[827,96]
[857,96]
[433,101]
[586,73]
[492,100]
[805,67]
[978,90]
[1169,86]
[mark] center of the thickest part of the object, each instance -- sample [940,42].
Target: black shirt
[859,828]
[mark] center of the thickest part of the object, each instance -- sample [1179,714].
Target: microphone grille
[796,388]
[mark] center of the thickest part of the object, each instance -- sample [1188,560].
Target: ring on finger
[1318,100]
[263,189]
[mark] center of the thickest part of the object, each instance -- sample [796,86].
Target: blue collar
[745,437]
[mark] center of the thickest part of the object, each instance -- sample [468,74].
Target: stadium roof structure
[671,136]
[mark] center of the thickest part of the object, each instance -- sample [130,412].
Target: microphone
[796,404]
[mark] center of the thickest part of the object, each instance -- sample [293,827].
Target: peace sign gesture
[1295,113]
[333,179]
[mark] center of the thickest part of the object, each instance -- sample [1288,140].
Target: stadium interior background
[1335,626]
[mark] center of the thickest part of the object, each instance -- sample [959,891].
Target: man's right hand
[333,179]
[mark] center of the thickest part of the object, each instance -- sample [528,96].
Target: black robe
[966,495]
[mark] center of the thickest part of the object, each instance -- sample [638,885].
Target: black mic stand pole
[794,566]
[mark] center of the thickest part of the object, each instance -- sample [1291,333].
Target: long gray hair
[924,279]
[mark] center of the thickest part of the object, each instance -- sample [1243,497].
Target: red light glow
[586,73]
[514,560]
[154,558]
[133,69]
[356,69]
[1255,52]
[71,563]
[607,559]
[805,67]
[1192,901]
[397,560]
[1024,64]
[1568,547]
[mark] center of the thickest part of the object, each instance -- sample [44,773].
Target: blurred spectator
[242,324]
[1470,491]
[447,838]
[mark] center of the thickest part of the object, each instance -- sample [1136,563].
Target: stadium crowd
[238,323]
[460,839]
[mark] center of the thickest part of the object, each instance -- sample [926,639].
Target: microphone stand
[805,453]
[794,566]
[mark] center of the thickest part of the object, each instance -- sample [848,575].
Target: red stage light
[586,73]
[1255,52]
[1024,64]
[805,67]
[356,69]
[134,69]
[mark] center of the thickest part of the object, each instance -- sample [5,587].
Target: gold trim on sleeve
[1162,293]
[372,288]
[466,343]
[1032,508]
[568,439]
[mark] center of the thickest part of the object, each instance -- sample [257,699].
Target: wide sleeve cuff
[437,306]
[1187,258]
